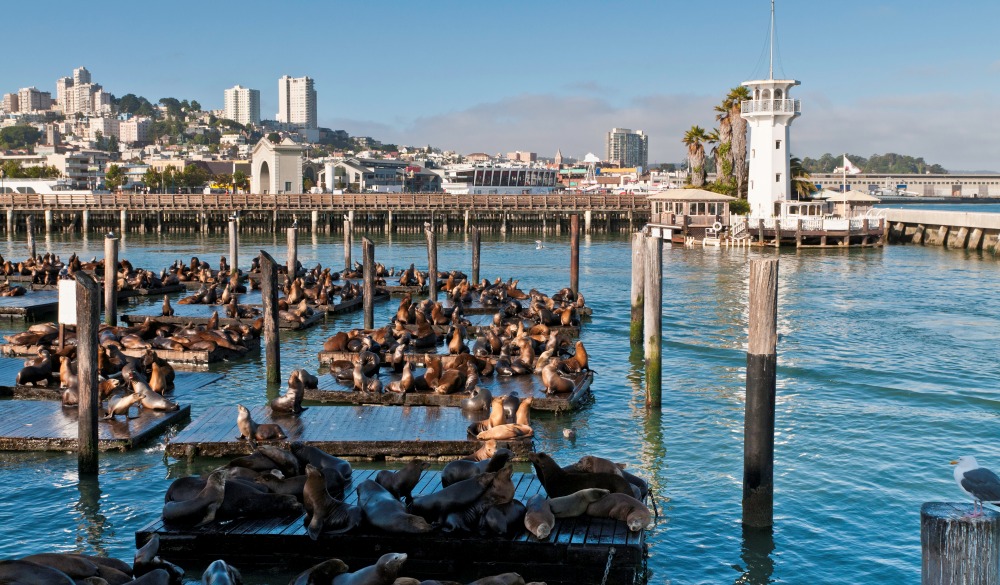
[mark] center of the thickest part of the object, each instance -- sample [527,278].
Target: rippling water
[888,362]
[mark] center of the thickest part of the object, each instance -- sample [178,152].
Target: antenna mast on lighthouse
[770,69]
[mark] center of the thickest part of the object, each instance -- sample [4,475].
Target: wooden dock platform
[332,391]
[173,356]
[181,320]
[29,306]
[45,425]
[577,551]
[363,432]
[184,382]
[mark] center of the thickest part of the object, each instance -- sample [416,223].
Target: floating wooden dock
[363,432]
[332,391]
[184,382]
[577,551]
[176,320]
[29,306]
[477,308]
[174,356]
[415,358]
[46,425]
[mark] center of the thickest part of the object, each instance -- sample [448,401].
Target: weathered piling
[758,424]
[124,221]
[269,295]
[347,243]
[368,257]
[111,280]
[30,224]
[432,262]
[48,221]
[638,284]
[652,319]
[958,549]
[293,253]
[574,258]
[475,254]
[87,314]
[234,246]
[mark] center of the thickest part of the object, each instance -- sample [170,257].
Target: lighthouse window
[777,145]
[777,177]
[753,152]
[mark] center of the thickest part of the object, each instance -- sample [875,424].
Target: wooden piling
[432,263]
[30,223]
[269,295]
[124,221]
[652,318]
[574,258]
[638,284]
[293,252]
[758,424]
[347,244]
[111,280]
[234,246]
[87,314]
[956,548]
[475,254]
[368,258]
[48,221]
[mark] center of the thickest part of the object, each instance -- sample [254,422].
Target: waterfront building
[627,148]
[276,168]
[30,100]
[498,179]
[522,157]
[297,102]
[242,105]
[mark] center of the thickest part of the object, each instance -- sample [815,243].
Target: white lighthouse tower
[769,113]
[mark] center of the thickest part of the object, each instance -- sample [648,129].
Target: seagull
[234,216]
[978,482]
[110,234]
[346,218]
[427,225]
[295,221]
[539,245]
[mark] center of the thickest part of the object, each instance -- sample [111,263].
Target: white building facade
[627,148]
[297,102]
[242,105]
[276,168]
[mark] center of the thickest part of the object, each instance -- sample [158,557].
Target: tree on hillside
[695,139]
[114,178]
[19,136]
[241,181]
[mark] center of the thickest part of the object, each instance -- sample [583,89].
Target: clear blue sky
[909,76]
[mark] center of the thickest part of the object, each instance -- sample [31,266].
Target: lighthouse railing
[770,106]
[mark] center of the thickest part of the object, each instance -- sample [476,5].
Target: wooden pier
[29,306]
[219,354]
[46,425]
[356,432]
[332,391]
[184,382]
[223,321]
[577,551]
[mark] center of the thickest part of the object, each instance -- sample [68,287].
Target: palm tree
[738,145]
[695,139]
[723,165]
[801,185]
[713,139]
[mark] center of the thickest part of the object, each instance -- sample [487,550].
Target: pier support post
[652,326]
[48,221]
[942,236]
[389,227]
[574,258]
[30,224]
[124,221]
[111,280]
[957,549]
[368,300]
[293,253]
[587,217]
[432,263]
[269,294]
[638,285]
[274,221]
[798,233]
[347,243]
[88,307]
[466,229]
[777,233]
[315,220]
[975,238]
[475,255]
[234,247]
[503,223]
[10,221]
[758,422]
[159,222]
[958,239]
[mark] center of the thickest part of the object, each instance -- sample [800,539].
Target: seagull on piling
[110,234]
[234,216]
[427,225]
[295,221]
[978,482]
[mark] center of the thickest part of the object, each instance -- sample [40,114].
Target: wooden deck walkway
[332,391]
[45,425]
[29,306]
[576,552]
[364,432]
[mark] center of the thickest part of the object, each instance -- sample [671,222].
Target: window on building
[288,186]
[777,177]
[777,145]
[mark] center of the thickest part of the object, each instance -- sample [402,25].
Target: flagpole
[843,182]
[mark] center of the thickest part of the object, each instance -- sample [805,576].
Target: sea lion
[576,503]
[67,378]
[154,401]
[511,402]
[34,375]
[321,574]
[107,387]
[506,432]
[383,572]
[308,380]
[558,482]
[253,431]
[287,463]
[201,509]
[291,400]
[480,399]
[324,513]
[70,397]
[625,508]
[147,561]
[386,512]
[538,517]
[221,573]
[76,566]
[405,383]
[156,576]
[553,382]
[21,572]
[166,310]
[401,483]
[249,499]
[322,460]
[590,463]
[158,379]
[278,484]
[455,497]
[503,519]
[122,406]
[464,469]
[501,579]
[255,461]
[487,450]
[523,414]
[496,418]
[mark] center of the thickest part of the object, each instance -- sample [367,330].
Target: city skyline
[891,76]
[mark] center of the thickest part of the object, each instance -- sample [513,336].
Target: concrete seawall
[954,229]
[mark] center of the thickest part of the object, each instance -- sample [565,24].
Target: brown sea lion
[386,512]
[538,518]
[405,383]
[503,519]
[337,342]
[523,414]
[324,513]
[464,469]
[383,572]
[21,572]
[107,387]
[401,483]
[321,574]
[252,431]
[201,509]
[166,310]
[321,459]
[501,579]
[154,401]
[506,432]
[552,381]
[309,381]
[221,573]
[625,508]
[575,504]
[558,482]
[496,418]
[122,406]
[286,461]
[291,400]
[454,498]
[487,450]
[158,380]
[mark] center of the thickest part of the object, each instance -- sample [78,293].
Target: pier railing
[360,201]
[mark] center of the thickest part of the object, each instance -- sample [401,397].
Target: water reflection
[755,551]
[90,529]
